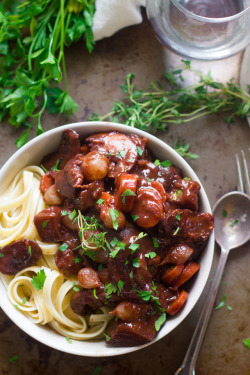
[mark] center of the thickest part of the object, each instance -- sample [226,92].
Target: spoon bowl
[231,220]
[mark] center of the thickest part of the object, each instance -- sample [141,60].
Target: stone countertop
[94,82]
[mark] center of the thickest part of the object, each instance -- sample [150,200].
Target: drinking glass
[201,29]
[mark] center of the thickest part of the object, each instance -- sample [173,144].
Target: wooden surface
[94,82]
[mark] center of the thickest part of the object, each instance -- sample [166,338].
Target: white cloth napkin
[113,15]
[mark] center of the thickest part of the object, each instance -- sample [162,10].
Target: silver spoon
[232,229]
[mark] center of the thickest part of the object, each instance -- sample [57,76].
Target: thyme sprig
[155,108]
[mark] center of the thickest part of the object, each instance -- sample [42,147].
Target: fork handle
[188,365]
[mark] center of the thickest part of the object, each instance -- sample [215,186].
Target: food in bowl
[103,241]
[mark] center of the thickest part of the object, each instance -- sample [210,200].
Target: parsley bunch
[155,108]
[33,35]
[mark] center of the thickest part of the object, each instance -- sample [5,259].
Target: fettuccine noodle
[19,203]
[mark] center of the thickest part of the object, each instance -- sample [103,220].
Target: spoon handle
[188,365]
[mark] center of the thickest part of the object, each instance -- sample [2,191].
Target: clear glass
[201,29]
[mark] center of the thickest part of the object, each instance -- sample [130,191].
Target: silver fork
[188,365]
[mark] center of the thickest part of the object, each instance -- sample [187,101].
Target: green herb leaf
[246,342]
[1,255]
[134,217]
[134,247]
[24,301]
[64,213]
[120,285]
[75,288]
[69,341]
[222,303]
[13,359]
[44,224]
[224,213]
[160,321]
[127,193]
[114,214]
[29,250]
[234,222]
[63,247]
[106,336]
[165,163]
[39,280]
[176,231]
[139,150]
[155,242]
[94,293]
[72,215]
[151,255]
[136,262]
[100,201]
[109,289]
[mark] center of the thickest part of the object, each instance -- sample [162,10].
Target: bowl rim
[35,331]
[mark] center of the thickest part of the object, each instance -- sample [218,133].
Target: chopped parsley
[159,322]
[13,359]
[127,193]
[77,260]
[24,301]
[134,217]
[75,288]
[72,215]
[178,216]
[224,213]
[114,214]
[151,255]
[234,223]
[39,280]
[122,154]
[223,303]
[120,285]
[246,342]
[64,213]
[63,247]
[1,255]
[131,274]
[109,289]
[140,235]
[136,263]
[134,247]
[29,250]
[165,163]
[100,201]
[107,337]
[44,224]
[155,242]
[69,341]
[139,150]
[94,293]
[119,246]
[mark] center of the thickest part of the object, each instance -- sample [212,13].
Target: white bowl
[32,153]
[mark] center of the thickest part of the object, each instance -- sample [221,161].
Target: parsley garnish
[120,285]
[55,168]
[136,263]
[134,217]
[159,322]
[24,301]
[122,154]
[234,222]
[64,213]
[44,224]
[223,303]
[155,242]
[139,150]
[178,216]
[1,255]
[69,341]
[224,213]
[151,255]
[13,359]
[107,337]
[94,293]
[72,215]
[77,260]
[109,289]
[134,247]
[39,280]
[246,342]
[29,250]
[100,201]
[63,247]
[75,288]
[165,163]
[114,214]
[127,193]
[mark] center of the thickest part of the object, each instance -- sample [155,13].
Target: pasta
[19,203]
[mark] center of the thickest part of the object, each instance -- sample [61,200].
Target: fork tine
[247,187]
[240,178]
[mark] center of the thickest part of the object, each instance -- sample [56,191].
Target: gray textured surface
[94,82]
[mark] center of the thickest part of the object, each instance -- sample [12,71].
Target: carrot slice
[125,192]
[172,273]
[189,270]
[178,303]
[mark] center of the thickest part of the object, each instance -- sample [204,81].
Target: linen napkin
[113,15]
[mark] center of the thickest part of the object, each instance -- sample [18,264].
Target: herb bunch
[153,109]
[33,35]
